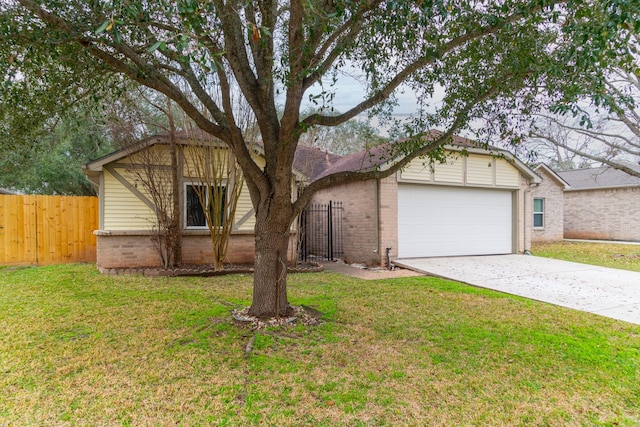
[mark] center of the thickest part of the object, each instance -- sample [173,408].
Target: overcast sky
[350,91]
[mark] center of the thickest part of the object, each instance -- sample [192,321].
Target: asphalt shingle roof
[601,177]
[375,157]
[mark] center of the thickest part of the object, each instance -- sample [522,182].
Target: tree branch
[431,145]
[420,63]
[344,35]
[594,157]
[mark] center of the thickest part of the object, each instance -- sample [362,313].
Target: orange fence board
[47,229]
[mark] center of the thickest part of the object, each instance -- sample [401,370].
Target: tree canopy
[609,135]
[468,62]
[52,162]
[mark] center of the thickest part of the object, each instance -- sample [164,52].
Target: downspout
[378,249]
[527,251]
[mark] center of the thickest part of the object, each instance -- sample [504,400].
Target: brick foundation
[135,250]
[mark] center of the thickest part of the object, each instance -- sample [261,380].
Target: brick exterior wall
[367,234]
[610,214]
[523,217]
[359,221]
[136,250]
[553,194]
[388,196]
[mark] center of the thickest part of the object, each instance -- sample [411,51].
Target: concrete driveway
[604,291]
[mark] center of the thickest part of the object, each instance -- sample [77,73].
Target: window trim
[541,213]
[184,210]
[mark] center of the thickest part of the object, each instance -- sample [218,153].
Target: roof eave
[608,187]
[98,164]
[554,175]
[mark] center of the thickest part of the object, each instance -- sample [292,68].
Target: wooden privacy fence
[47,229]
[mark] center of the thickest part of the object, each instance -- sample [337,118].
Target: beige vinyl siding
[122,209]
[479,170]
[244,205]
[260,161]
[136,178]
[417,170]
[472,170]
[244,202]
[452,171]
[193,160]
[506,174]
[157,155]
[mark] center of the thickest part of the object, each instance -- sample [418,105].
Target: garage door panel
[449,221]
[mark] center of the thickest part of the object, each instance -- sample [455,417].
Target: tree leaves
[102,28]
[107,26]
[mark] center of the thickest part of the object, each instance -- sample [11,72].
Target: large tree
[609,134]
[480,60]
[51,163]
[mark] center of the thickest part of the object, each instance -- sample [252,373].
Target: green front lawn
[624,257]
[78,348]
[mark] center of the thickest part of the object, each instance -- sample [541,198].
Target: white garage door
[450,221]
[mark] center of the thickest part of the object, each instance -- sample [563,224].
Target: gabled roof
[5,191]
[552,174]
[314,163]
[182,137]
[381,156]
[598,178]
[195,137]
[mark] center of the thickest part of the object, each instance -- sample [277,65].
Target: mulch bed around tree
[205,270]
[303,314]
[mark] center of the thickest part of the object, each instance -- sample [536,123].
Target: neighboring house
[548,206]
[477,203]
[5,191]
[127,218]
[601,203]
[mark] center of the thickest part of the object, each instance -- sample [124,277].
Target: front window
[538,213]
[194,214]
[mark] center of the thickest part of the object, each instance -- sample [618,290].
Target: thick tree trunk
[270,274]
[175,231]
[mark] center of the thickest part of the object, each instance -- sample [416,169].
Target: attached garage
[466,206]
[449,221]
[477,202]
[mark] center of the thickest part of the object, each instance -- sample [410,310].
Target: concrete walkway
[605,291]
[368,273]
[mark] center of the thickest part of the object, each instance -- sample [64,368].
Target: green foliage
[489,59]
[52,162]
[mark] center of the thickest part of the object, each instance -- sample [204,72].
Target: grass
[78,348]
[624,257]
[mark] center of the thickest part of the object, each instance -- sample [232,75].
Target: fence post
[330,231]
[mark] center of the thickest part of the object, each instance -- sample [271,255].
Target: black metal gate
[321,232]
